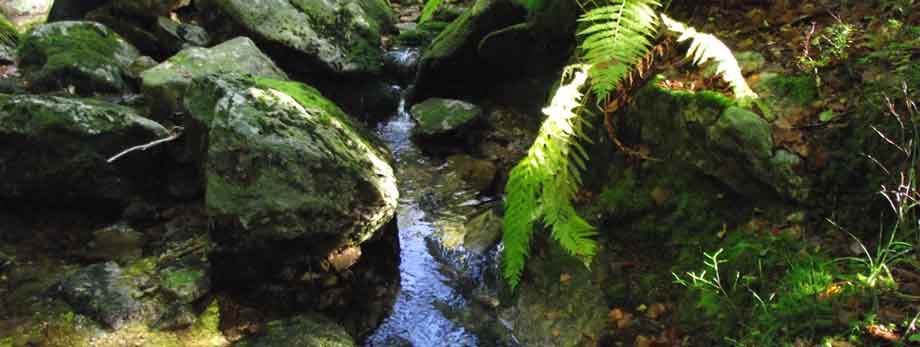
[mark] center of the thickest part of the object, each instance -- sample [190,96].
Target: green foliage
[431,6]
[541,186]
[705,47]
[8,34]
[617,37]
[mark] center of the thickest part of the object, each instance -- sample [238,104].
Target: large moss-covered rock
[54,149]
[87,55]
[283,163]
[100,291]
[438,117]
[705,130]
[308,35]
[165,84]
[309,330]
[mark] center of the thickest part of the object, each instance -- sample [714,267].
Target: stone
[175,36]
[25,8]
[165,84]
[283,163]
[308,36]
[64,10]
[149,8]
[437,117]
[483,232]
[478,173]
[119,242]
[99,291]
[87,55]
[739,129]
[54,150]
[307,330]
[185,283]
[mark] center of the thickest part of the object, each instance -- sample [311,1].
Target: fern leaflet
[705,47]
[617,37]
[541,186]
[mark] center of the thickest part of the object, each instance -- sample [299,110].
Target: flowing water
[437,304]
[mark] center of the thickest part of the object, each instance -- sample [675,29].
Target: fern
[431,6]
[617,37]
[705,47]
[8,34]
[541,186]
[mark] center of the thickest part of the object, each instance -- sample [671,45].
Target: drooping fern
[541,186]
[9,36]
[705,47]
[617,38]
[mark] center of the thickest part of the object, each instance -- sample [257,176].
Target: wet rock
[99,291]
[478,173]
[283,163]
[308,330]
[165,84]
[337,38]
[483,231]
[444,118]
[174,36]
[54,150]
[119,242]
[87,55]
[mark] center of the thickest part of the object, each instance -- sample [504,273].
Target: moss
[799,89]
[85,54]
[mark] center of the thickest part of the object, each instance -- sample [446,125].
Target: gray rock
[332,37]
[165,84]
[483,232]
[54,149]
[309,330]
[99,291]
[478,173]
[283,163]
[87,55]
[438,117]
[119,242]
[64,10]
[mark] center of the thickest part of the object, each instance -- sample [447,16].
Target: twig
[174,134]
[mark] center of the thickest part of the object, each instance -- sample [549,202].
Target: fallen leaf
[882,332]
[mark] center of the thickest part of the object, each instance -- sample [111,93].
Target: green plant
[8,34]
[617,35]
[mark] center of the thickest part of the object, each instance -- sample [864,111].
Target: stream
[444,299]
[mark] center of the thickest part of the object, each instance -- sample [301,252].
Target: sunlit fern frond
[705,47]
[8,34]
[617,36]
[431,6]
[542,185]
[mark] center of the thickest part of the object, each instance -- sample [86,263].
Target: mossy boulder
[340,37]
[54,150]
[308,330]
[281,162]
[86,55]
[707,131]
[438,118]
[100,291]
[165,85]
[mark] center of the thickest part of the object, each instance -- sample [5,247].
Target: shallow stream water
[437,303]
